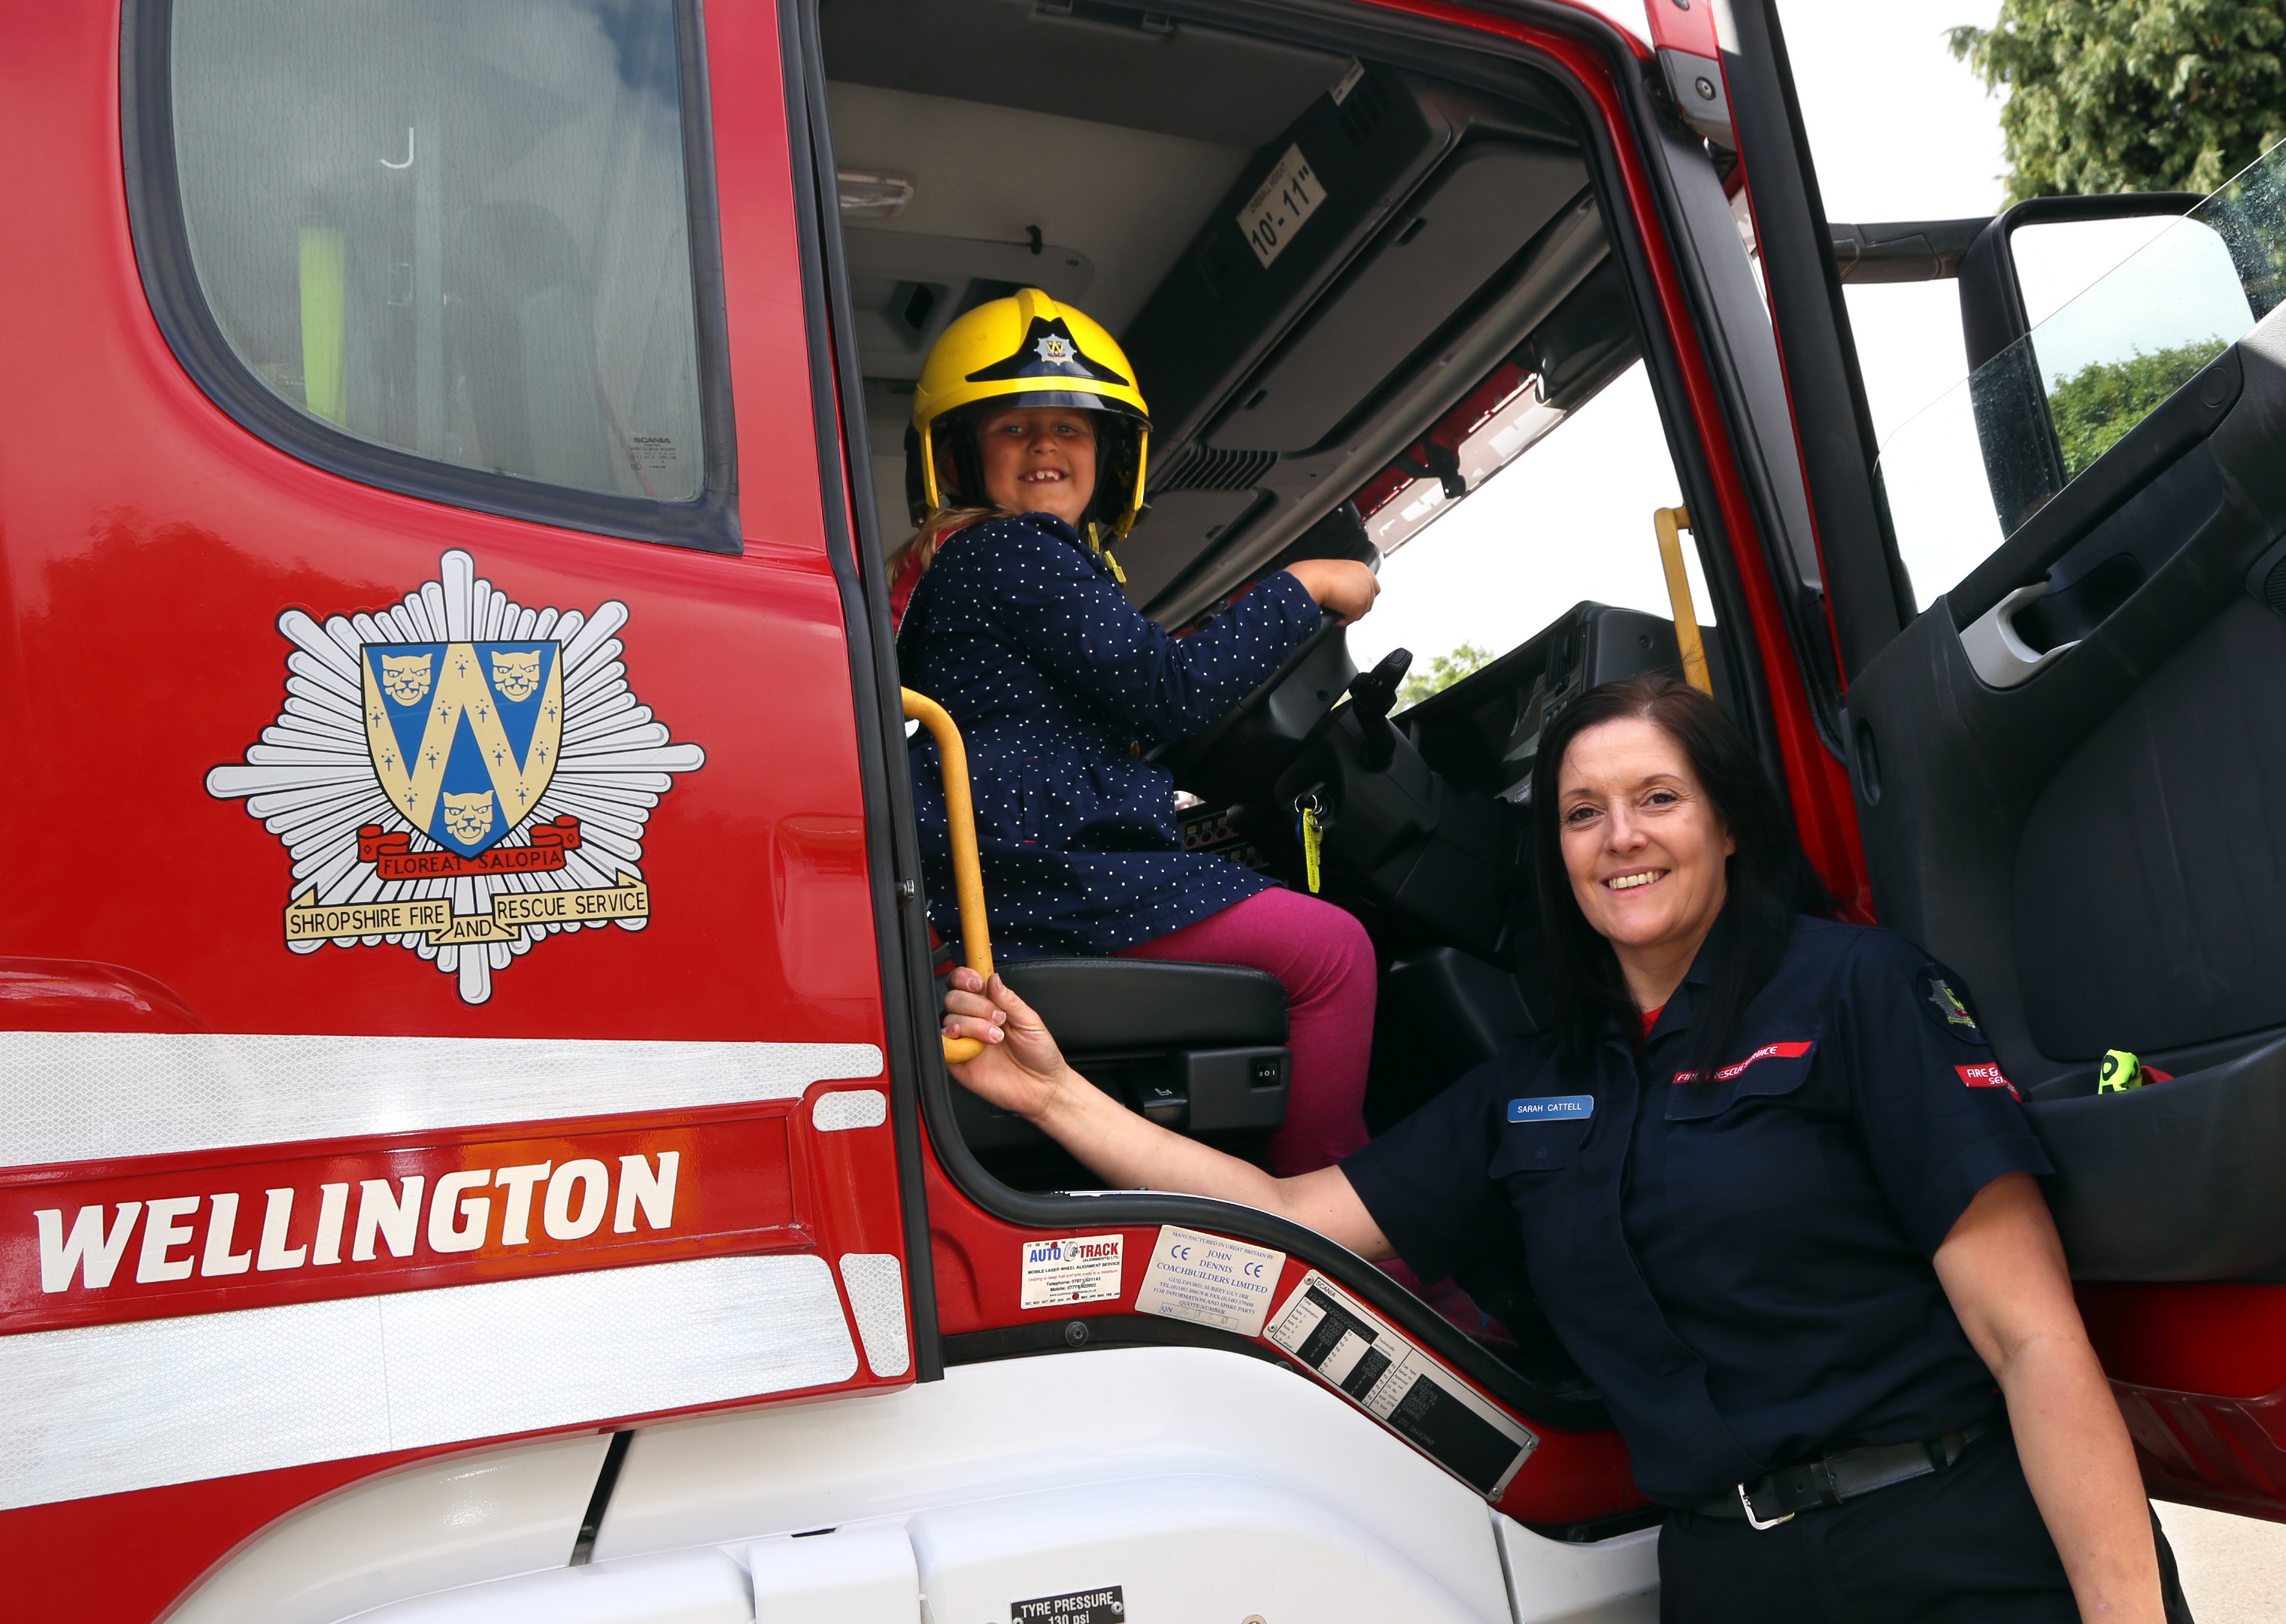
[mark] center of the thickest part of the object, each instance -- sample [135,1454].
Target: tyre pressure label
[1106,1605]
[1345,1343]
[1073,1269]
[1209,1280]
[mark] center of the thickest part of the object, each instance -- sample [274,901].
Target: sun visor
[1346,242]
[1303,208]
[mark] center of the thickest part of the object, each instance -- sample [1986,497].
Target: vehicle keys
[1309,829]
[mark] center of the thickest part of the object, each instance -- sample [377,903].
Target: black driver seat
[1197,1048]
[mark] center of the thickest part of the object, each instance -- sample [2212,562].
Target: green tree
[2132,95]
[2104,399]
[1443,672]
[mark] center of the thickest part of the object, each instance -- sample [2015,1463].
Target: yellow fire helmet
[1027,350]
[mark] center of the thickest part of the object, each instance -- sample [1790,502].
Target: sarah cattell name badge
[458,775]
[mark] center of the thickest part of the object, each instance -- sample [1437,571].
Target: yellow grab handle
[1670,523]
[967,873]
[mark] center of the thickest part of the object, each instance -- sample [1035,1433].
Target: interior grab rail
[967,872]
[1671,523]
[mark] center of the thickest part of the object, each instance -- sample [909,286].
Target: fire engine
[474,1137]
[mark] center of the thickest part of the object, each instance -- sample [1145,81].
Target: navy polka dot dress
[1058,683]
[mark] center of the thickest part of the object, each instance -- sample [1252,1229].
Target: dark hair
[1768,879]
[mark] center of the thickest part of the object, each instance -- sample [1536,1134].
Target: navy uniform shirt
[1738,1260]
[1059,685]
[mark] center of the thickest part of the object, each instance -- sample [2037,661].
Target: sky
[1898,131]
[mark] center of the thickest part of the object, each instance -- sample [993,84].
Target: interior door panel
[2107,745]
[2089,847]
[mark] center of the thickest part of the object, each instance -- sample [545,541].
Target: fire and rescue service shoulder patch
[1952,1010]
[458,775]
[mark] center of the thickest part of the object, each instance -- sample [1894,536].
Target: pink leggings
[1324,958]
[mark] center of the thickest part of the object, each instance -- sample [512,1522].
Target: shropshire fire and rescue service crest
[459,776]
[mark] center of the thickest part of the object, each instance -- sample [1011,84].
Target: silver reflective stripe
[89,1096]
[106,1409]
[850,1108]
[876,1284]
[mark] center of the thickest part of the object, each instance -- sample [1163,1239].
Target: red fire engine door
[442,999]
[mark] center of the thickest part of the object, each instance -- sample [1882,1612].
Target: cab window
[462,235]
[2123,313]
[1566,521]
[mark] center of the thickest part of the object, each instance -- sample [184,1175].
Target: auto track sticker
[1209,1279]
[458,775]
[1350,1347]
[1106,1605]
[1074,1269]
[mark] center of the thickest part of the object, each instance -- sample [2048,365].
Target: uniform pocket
[1745,1140]
[1531,1162]
[1543,1147]
[1779,1066]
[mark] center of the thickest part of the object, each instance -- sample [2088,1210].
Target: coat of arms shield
[464,735]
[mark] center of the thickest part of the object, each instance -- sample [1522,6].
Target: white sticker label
[1280,205]
[1350,1347]
[1075,1269]
[1349,81]
[1209,1281]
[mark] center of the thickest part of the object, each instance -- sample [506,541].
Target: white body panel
[449,1522]
[1202,1484]
[1612,1581]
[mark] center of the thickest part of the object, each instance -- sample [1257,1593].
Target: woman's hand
[1342,587]
[1021,1069]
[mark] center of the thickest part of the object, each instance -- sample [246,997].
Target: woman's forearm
[2082,1471]
[2003,1268]
[1019,1069]
[1129,1152]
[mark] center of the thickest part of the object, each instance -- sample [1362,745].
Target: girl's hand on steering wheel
[1342,587]
[1021,1069]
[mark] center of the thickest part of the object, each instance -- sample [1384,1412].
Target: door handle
[1997,652]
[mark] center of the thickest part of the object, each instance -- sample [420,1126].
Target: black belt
[1769,1500]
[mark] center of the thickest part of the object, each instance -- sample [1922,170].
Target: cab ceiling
[1112,139]
[1095,63]
[1093,149]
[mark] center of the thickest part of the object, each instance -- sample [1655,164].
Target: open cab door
[2061,604]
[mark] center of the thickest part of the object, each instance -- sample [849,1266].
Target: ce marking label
[1209,1280]
[1252,1268]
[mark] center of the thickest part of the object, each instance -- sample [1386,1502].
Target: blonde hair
[933,533]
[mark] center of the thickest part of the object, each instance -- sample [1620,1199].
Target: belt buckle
[1756,1522]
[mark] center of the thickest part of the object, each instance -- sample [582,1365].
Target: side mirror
[2109,296]
[1994,310]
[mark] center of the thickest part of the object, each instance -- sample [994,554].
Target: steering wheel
[1270,726]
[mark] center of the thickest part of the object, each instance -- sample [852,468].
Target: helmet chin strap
[1102,548]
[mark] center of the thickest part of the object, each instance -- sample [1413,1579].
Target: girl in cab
[1026,462]
[1776,1197]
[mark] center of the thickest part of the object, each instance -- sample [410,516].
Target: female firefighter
[1026,462]
[1776,1197]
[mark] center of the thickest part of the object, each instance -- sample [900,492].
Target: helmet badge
[1049,349]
